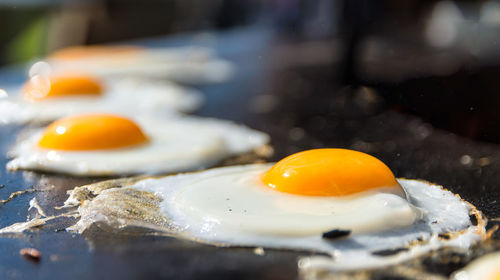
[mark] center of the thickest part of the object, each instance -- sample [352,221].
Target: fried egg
[46,98]
[184,64]
[106,144]
[344,203]
[483,268]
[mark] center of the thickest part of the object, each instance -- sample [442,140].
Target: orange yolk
[91,132]
[63,86]
[83,52]
[328,172]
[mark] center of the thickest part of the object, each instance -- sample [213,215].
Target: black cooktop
[300,105]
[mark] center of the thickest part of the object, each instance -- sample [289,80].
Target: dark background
[435,59]
[414,83]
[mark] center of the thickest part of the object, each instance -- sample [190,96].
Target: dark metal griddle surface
[298,105]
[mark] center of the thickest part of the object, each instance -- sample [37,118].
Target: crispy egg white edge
[223,140]
[128,97]
[354,252]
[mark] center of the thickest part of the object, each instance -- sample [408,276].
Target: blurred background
[439,60]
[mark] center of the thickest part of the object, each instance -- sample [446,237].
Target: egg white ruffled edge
[459,239]
[461,235]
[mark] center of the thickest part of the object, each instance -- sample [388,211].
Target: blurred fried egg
[46,98]
[106,144]
[483,268]
[344,203]
[184,64]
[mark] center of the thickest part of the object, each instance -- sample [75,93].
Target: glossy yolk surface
[328,172]
[91,132]
[82,52]
[64,86]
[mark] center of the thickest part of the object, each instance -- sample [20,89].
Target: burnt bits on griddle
[31,254]
[389,252]
[336,233]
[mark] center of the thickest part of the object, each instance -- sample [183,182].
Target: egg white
[205,217]
[482,268]
[128,97]
[176,144]
[234,200]
[182,64]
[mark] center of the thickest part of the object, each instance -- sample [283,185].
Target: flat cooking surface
[298,105]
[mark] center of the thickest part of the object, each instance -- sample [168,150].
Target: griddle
[298,105]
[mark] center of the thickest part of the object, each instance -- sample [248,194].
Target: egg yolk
[328,172]
[91,132]
[59,86]
[81,52]
[495,275]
